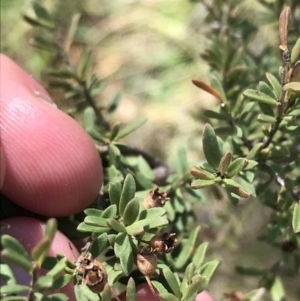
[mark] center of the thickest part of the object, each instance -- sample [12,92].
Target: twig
[32,284]
[152,288]
[115,296]
[280,111]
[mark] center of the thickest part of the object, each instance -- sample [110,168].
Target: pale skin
[48,164]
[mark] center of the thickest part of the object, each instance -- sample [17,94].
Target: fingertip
[52,166]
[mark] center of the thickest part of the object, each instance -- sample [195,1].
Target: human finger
[52,166]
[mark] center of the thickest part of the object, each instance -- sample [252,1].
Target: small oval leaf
[296,218]
[236,166]
[128,192]
[210,146]
[259,96]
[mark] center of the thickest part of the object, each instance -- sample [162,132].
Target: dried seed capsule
[146,261]
[155,199]
[164,242]
[94,275]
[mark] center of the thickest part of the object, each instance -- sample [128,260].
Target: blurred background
[149,50]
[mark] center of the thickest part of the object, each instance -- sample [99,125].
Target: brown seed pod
[146,261]
[163,243]
[94,275]
[155,199]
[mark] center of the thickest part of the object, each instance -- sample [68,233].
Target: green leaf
[95,221]
[188,276]
[277,290]
[106,294]
[84,65]
[89,118]
[57,297]
[197,184]
[207,271]
[255,149]
[80,296]
[99,245]
[210,146]
[217,85]
[147,224]
[266,118]
[115,190]
[83,227]
[7,274]
[250,271]
[132,126]
[110,212]
[276,85]
[115,225]
[187,250]
[193,288]
[93,212]
[38,22]
[295,51]
[224,163]
[168,297]
[9,242]
[62,281]
[128,192]
[124,252]
[58,268]
[131,290]
[160,288]
[145,168]
[41,12]
[113,154]
[296,218]
[172,281]
[43,44]
[40,251]
[63,73]
[265,88]
[259,96]
[292,87]
[17,258]
[135,229]
[114,131]
[236,166]
[45,282]
[114,104]
[131,211]
[14,288]
[88,294]
[96,135]
[200,255]
[235,188]
[14,298]
[152,213]
[215,115]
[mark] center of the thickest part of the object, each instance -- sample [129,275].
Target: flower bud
[163,242]
[155,199]
[146,261]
